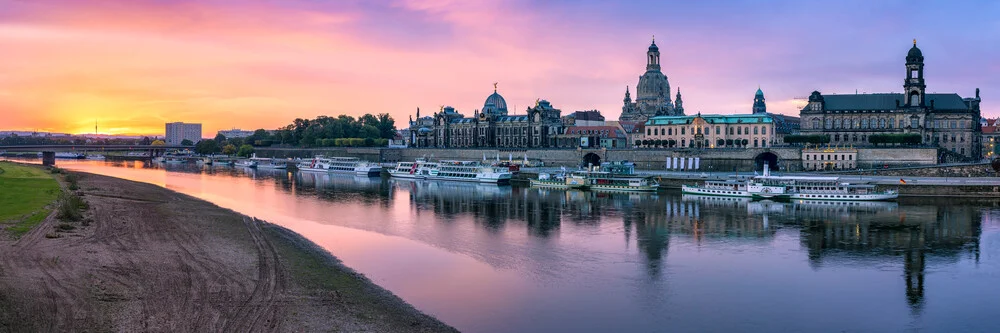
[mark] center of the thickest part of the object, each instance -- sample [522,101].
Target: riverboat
[246,163]
[618,176]
[465,171]
[70,155]
[560,181]
[173,160]
[350,165]
[269,163]
[791,188]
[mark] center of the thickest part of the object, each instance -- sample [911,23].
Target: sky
[131,66]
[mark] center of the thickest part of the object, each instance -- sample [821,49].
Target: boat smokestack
[767,170]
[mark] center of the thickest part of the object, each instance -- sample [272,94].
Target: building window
[670,131]
[763,130]
[890,123]
[682,142]
[881,123]
[864,123]
[755,130]
[914,122]
[954,124]
[836,137]
[755,143]
[683,130]
[716,130]
[647,131]
[836,123]
[739,130]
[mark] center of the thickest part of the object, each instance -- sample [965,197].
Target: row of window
[828,157]
[876,123]
[736,130]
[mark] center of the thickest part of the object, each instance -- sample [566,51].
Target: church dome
[495,104]
[653,47]
[759,92]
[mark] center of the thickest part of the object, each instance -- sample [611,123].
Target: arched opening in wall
[591,159]
[766,157]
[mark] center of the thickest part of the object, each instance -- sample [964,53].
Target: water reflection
[551,260]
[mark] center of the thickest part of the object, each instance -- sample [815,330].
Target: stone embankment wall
[968,170]
[789,158]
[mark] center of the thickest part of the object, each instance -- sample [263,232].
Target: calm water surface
[513,259]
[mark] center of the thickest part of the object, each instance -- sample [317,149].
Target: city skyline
[137,65]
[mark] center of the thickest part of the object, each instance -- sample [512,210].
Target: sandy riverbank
[152,260]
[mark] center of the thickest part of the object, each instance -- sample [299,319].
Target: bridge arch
[766,157]
[591,159]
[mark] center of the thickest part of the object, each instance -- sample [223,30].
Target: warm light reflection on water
[509,259]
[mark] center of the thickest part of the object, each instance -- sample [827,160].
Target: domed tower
[495,104]
[759,107]
[653,91]
[914,86]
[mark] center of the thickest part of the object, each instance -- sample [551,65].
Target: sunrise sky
[134,65]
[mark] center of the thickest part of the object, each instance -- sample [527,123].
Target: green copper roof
[712,119]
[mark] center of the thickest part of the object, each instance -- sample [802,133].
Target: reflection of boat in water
[446,189]
[322,180]
[790,188]
[799,207]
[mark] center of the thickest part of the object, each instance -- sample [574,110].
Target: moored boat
[246,163]
[350,165]
[560,181]
[465,171]
[618,176]
[791,188]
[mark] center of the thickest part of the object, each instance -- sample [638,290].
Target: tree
[229,149]
[146,141]
[720,143]
[157,143]
[219,138]
[187,142]
[672,143]
[206,147]
[745,142]
[245,151]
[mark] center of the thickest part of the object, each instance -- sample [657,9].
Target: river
[514,259]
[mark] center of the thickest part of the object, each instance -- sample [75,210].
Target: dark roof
[588,115]
[914,52]
[887,102]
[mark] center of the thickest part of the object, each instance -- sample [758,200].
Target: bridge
[48,151]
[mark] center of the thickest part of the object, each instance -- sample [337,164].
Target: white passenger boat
[69,154]
[791,188]
[247,163]
[350,165]
[465,171]
[269,163]
[96,157]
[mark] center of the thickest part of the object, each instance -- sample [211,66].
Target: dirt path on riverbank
[147,259]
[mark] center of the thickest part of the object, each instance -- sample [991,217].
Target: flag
[901,181]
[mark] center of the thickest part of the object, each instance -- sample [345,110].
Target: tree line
[324,131]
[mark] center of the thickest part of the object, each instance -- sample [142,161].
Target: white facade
[178,132]
[235,133]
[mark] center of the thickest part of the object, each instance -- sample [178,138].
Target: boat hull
[687,189]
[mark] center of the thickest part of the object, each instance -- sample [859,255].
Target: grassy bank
[26,192]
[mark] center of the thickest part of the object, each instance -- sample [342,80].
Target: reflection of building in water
[917,234]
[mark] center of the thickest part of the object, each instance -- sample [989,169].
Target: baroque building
[710,131]
[491,127]
[946,120]
[652,94]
